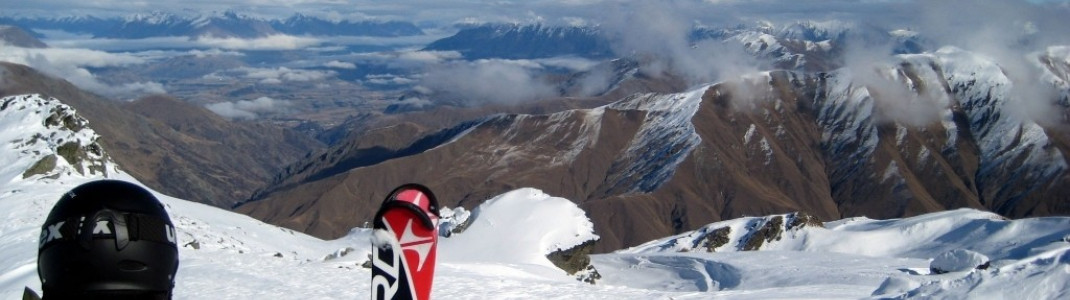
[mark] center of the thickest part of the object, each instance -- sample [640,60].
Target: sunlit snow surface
[501,253]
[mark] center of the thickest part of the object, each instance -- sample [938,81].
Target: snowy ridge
[761,44]
[665,139]
[846,114]
[50,139]
[1018,249]
[817,30]
[1055,62]
[1003,134]
[1015,152]
[731,235]
[152,18]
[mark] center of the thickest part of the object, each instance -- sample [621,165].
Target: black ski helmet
[107,239]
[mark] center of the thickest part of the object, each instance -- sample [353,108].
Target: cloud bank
[276,75]
[73,65]
[248,109]
[489,81]
[340,65]
[272,42]
[1009,33]
[658,33]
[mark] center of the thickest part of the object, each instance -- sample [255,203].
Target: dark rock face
[576,261]
[715,239]
[769,232]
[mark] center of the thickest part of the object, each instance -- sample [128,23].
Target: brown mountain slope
[174,147]
[574,154]
[653,165]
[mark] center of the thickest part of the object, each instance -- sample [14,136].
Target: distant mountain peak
[153,17]
[513,41]
[15,36]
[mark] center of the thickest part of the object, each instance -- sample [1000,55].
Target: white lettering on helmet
[171,234]
[103,227]
[51,233]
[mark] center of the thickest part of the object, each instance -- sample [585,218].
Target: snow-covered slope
[535,219]
[850,257]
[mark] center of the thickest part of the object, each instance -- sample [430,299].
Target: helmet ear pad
[109,238]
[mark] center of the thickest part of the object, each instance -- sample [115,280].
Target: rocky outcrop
[576,261]
[55,137]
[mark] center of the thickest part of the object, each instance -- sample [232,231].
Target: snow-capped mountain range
[802,45]
[219,24]
[502,252]
[925,132]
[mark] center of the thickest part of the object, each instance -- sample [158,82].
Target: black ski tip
[29,294]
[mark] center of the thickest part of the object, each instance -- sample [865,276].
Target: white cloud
[489,81]
[282,74]
[658,32]
[73,64]
[570,63]
[248,109]
[408,59]
[340,65]
[1008,33]
[72,57]
[388,79]
[415,102]
[273,42]
[213,52]
[114,45]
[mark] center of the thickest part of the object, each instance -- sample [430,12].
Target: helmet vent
[132,266]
